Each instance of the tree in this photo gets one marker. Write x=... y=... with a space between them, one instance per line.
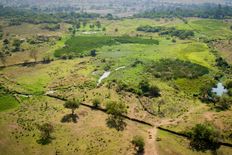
x=78 y=25
x=139 y=143
x=154 y=91
x=116 y=111
x=96 y=102
x=3 y=58
x=84 y=23
x=45 y=133
x=92 y=26
x=17 y=45
x=73 y=105
x=73 y=32
x=34 y=54
x=93 y=53
x=98 y=24
x=204 y=137
x=224 y=103
x=6 y=42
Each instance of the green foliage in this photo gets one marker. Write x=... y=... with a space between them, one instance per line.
x=93 y=53
x=79 y=45
x=202 y=11
x=17 y=45
x=45 y=133
x=229 y=84
x=18 y=16
x=224 y=103
x=173 y=69
x=220 y=62
x=7 y=100
x=51 y=27
x=182 y=34
x=139 y=143
x=116 y=111
x=116 y=108
x=149 y=90
x=204 y=137
x=96 y=102
x=230 y=92
x=73 y=105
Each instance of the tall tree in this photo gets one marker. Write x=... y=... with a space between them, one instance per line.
x=116 y=111
x=73 y=105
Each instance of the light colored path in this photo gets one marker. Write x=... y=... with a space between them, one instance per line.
x=150 y=146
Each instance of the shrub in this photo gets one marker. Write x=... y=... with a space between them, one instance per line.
x=139 y=143
x=224 y=103
x=204 y=137
x=229 y=84
x=96 y=102
x=116 y=111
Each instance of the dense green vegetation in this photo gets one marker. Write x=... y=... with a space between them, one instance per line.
x=202 y=11
x=182 y=34
x=18 y=16
x=81 y=45
x=173 y=69
x=204 y=137
x=7 y=101
x=160 y=73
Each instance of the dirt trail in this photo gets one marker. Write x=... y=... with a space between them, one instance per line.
x=150 y=146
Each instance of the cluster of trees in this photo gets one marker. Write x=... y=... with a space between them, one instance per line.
x=202 y=11
x=220 y=103
x=51 y=27
x=18 y=16
x=182 y=34
x=83 y=23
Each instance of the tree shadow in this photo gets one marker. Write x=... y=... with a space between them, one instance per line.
x=116 y=122
x=46 y=141
x=139 y=152
x=70 y=118
x=203 y=146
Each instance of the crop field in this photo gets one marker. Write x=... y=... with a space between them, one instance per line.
x=176 y=72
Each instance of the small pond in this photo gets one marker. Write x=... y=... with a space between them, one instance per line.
x=219 y=90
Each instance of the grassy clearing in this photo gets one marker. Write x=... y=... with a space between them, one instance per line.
x=84 y=137
x=7 y=102
x=181 y=146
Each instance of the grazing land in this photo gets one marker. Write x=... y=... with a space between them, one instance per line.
x=160 y=76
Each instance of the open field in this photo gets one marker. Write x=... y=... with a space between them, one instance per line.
x=179 y=69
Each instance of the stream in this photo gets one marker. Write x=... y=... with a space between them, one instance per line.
x=107 y=73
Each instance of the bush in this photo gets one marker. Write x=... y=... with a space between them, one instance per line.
x=229 y=84
x=139 y=143
x=224 y=103
x=96 y=103
x=204 y=137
